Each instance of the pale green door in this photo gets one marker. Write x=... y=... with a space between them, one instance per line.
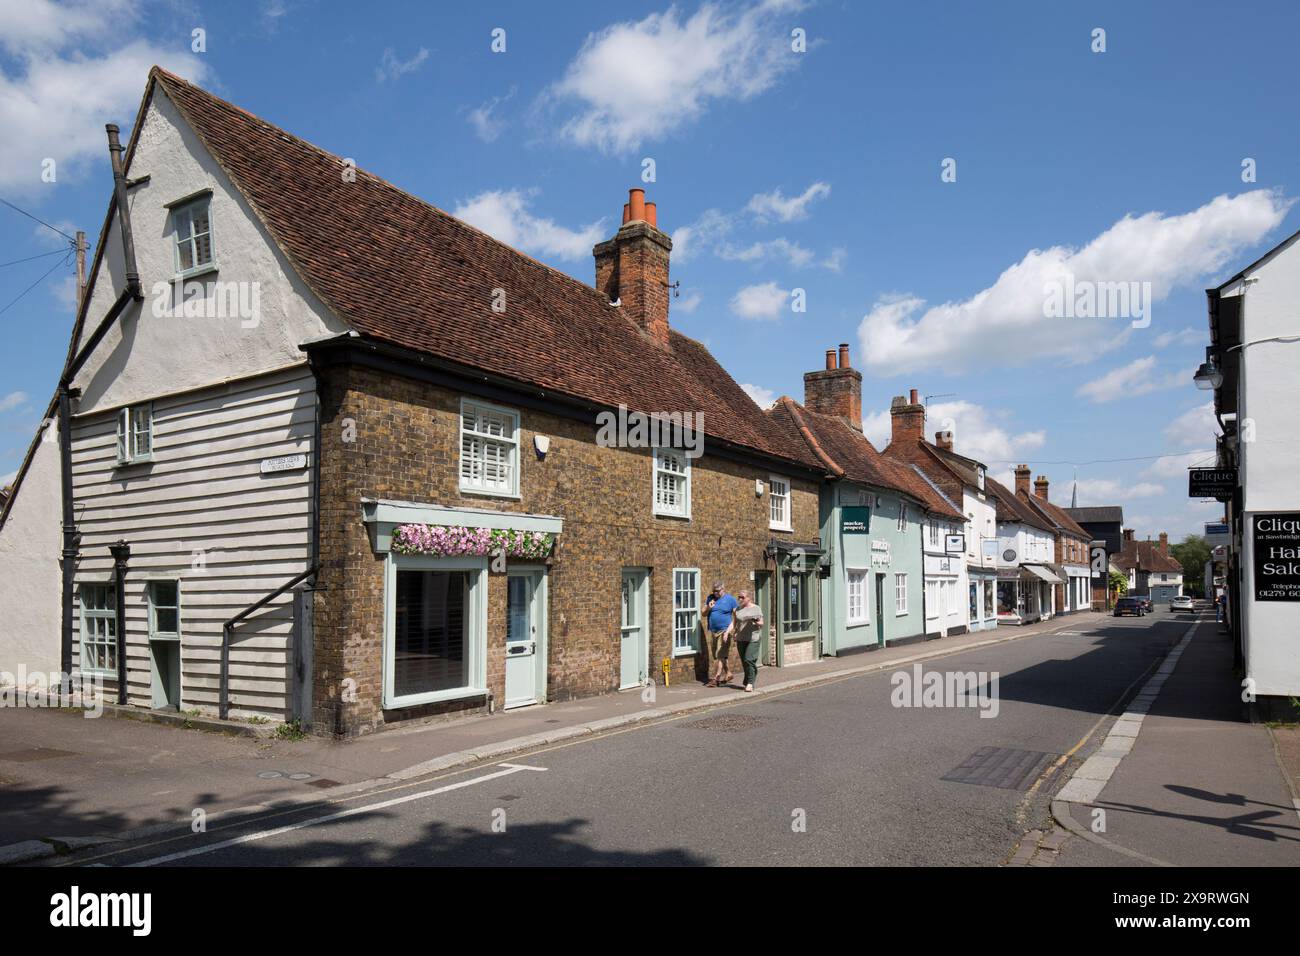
x=634 y=632
x=524 y=622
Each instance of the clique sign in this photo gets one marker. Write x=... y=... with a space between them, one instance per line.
x=1277 y=557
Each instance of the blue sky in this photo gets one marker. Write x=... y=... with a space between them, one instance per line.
x=775 y=170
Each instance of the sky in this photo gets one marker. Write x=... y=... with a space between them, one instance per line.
x=940 y=185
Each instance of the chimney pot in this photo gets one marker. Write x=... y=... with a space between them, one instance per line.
x=636 y=204
x=627 y=212
x=1040 y=487
x=830 y=360
x=652 y=214
x=844 y=355
x=915 y=398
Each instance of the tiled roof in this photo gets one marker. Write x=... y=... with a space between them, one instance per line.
x=401 y=271
x=1059 y=517
x=1011 y=508
x=1101 y=514
x=1146 y=556
x=847 y=453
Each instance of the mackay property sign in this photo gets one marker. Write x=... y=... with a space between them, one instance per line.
x=855 y=521
x=1216 y=483
x=1277 y=557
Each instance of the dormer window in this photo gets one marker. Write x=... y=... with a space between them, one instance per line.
x=192 y=227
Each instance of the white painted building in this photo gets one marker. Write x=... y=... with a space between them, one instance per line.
x=1026 y=546
x=1253 y=362
x=193 y=440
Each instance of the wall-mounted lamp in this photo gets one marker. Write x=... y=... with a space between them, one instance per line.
x=1209 y=376
x=758 y=487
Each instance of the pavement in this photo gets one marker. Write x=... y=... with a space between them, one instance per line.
x=1181 y=778
x=66 y=781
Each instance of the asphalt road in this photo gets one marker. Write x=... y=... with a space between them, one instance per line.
x=833 y=774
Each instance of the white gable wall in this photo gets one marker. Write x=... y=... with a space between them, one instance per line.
x=145 y=354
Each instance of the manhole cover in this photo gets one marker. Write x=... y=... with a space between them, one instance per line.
x=729 y=723
x=1001 y=767
x=36 y=753
x=300 y=775
x=269 y=775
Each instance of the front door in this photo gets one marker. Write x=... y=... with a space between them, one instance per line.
x=165 y=673
x=880 y=609
x=634 y=639
x=524 y=637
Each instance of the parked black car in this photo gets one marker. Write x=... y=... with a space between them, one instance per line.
x=1145 y=600
x=1130 y=607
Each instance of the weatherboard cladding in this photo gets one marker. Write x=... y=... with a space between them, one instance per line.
x=400 y=270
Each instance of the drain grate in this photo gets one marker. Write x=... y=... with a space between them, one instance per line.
x=729 y=723
x=323 y=783
x=1001 y=767
x=36 y=753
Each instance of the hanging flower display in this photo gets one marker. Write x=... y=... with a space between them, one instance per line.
x=449 y=541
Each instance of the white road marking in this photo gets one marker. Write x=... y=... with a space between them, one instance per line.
x=509 y=768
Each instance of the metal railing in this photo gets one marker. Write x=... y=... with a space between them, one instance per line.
x=228 y=632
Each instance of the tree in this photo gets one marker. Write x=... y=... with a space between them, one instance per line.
x=1118 y=583
x=1192 y=555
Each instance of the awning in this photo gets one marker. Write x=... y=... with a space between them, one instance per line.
x=1038 y=571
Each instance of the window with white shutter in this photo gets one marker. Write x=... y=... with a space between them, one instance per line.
x=489 y=449
x=672 y=483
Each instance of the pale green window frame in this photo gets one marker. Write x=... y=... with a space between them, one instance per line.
x=164 y=598
x=686 y=610
x=99 y=629
x=192 y=232
x=135 y=434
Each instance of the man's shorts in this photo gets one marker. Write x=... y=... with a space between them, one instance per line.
x=718 y=647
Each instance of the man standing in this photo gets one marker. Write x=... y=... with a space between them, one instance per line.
x=749 y=637
x=720 y=606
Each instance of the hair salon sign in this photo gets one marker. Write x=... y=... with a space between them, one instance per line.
x=1277 y=557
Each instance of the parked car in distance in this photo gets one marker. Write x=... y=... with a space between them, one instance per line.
x=1181 y=603
x=1145 y=601
x=1129 y=607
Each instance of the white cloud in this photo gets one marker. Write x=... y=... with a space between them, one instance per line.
x=776 y=205
x=488 y=126
x=1188 y=336
x=1005 y=323
x=1193 y=432
x=391 y=68
x=704 y=234
x=504 y=215
x=782 y=249
x=763 y=397
x=11 y=401
x=65 y=82
x=835 y=261
x=634 y=81
x=978 y=432
x=688 y=303
x=763 y=302
x=1138 y=377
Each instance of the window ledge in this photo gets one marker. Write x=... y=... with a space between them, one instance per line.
x=481 y=493
x=196 y=272
x=436 y=697
x=686 y=653
x=665 y=514
x=133 y=462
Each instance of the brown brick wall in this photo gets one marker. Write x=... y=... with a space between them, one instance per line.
x=407 y=448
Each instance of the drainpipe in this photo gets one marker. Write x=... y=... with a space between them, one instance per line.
x=115 y=150
x=71 y=539
x=121 y=552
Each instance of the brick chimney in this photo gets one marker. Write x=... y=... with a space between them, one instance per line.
x=1040 y=487
x=1128 y=534
x=943 y=440
x=1164 y=542
x=835 y=390
x=632 y=268
x=1022 y=480
x=907 y=419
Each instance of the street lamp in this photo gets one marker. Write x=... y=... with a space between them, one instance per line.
x=1209 y=376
